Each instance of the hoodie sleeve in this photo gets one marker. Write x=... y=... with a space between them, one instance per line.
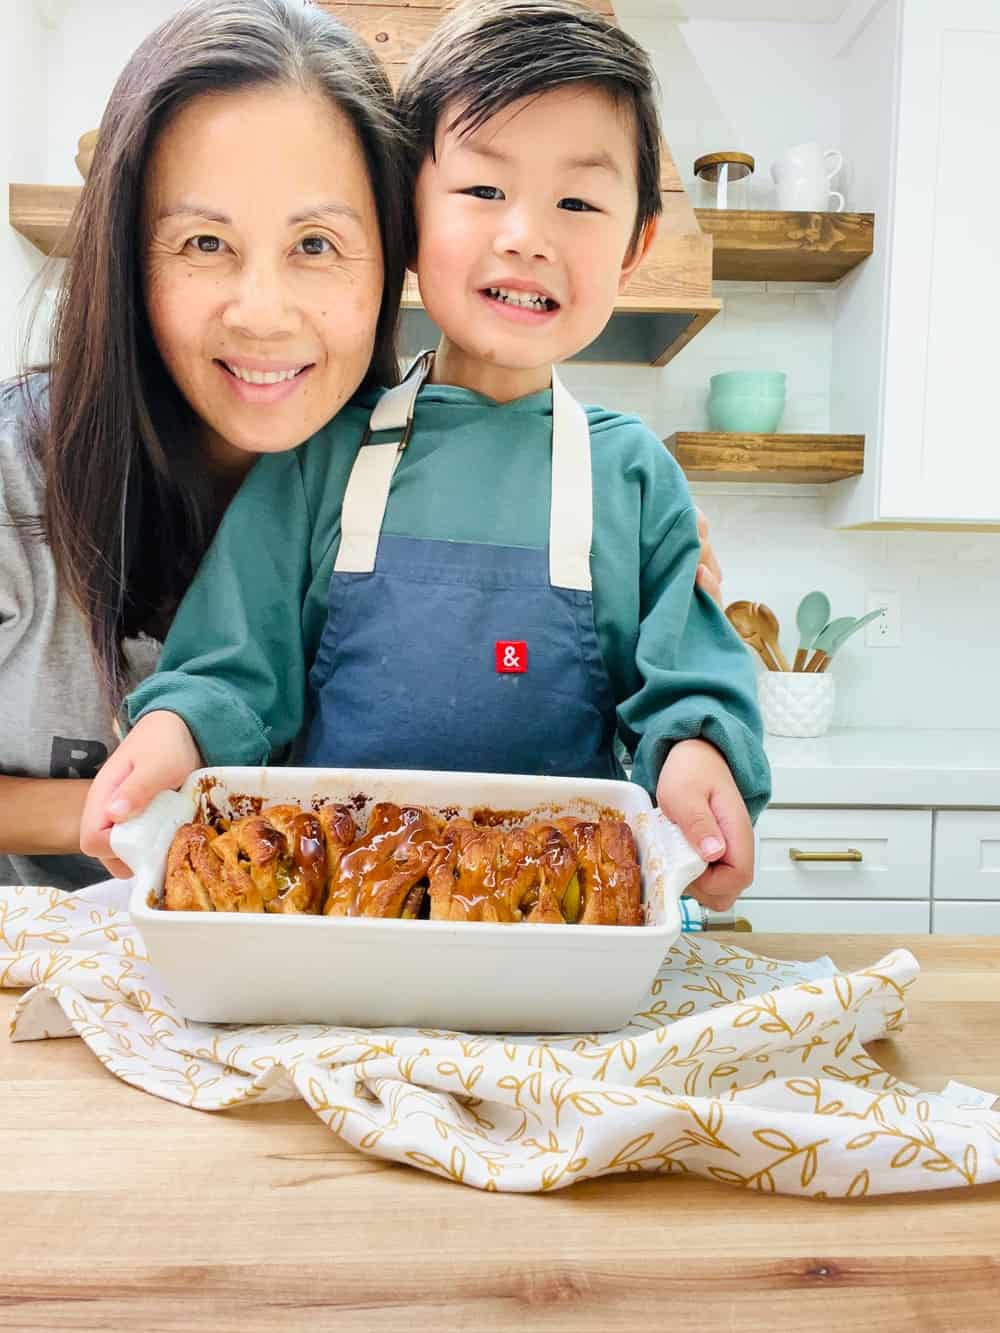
x=697 y=679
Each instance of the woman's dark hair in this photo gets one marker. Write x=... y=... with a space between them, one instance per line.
x=488 y=54
x=130 y=501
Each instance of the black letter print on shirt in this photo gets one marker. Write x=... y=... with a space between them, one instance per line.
x=76 y=759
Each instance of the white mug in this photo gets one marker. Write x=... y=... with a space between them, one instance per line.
x=803 y=174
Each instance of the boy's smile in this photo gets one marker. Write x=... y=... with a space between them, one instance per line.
x=525 y=230
x=521 y=300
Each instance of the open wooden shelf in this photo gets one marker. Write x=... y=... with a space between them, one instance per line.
x=718 y=456
x=756 y=246
x=43 y=214
x=666 y=304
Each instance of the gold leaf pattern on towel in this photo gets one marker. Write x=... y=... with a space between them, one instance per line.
x=745 y=1070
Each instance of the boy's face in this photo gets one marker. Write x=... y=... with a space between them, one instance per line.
x=524 y=233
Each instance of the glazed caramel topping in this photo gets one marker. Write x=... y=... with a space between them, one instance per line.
x=494 y=874
x=301 y=867
x=563 y=870
x=610 y=882
x=376 y=875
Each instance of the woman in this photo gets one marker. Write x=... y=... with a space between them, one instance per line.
x=232 y=284
x=271 y=127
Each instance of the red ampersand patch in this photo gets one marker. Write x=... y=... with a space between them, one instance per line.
x=511 y=655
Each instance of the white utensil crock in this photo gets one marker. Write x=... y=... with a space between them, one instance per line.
x=796 y=703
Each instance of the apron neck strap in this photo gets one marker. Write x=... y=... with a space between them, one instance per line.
x=367 y=493
x=394 y=410
x=571 y=515
x=571 y=512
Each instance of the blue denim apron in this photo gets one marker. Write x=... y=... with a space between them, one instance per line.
x=457 y=655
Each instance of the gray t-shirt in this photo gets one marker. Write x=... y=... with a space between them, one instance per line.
x=54 y=722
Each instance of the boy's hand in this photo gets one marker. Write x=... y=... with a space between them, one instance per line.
x=709 y=575
x=697 y=792
x=158 y=753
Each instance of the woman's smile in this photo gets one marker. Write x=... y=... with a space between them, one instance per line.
x=263 y=382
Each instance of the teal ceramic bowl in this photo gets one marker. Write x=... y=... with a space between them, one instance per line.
x=746 y=414
x=748 y=383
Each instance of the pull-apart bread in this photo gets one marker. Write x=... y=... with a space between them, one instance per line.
x=385 y=871
x=408 y=863
x=497 y=874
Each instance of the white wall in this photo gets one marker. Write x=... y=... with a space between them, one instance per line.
x=89 y=47
x=23 y=89
x=755 y=87
x=58 y=62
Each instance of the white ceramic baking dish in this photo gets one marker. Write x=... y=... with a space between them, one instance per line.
x=467 y=976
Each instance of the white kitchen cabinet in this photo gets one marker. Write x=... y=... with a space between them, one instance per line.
x=876 y=869
x=842 y=854
x=915 y=340
x=921 y=806
x=848 y=918
x=967 y=854
x=952 y=918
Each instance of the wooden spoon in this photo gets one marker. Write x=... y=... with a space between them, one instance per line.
x=767 y=623
x=743 y=619
x=811 y=617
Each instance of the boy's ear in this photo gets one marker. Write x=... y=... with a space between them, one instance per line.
x=639 y=251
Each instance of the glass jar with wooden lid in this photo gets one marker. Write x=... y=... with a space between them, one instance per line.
x=722 y=179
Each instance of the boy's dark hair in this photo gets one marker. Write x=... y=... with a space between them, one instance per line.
x=488 y=54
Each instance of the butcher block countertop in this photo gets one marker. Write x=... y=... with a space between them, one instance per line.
x=122 y=1211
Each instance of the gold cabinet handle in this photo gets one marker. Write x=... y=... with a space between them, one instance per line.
x=711 y=920
x=852 y=854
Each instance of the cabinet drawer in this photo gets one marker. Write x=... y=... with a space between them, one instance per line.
x=894 y=847
x=967 y=854
x=822 y=914
x=952 y=918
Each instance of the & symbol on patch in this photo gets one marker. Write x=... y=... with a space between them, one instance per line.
x=511 y=656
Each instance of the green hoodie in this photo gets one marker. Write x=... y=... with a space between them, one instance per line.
x=235 y=664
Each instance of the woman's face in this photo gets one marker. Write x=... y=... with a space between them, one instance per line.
x=262 y=264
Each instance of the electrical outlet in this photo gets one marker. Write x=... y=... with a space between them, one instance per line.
x=884 y=631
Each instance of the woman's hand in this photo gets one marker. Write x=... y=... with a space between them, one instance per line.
x=697 y=792
x=709 y=576
x=158 y=753
x=41 y=816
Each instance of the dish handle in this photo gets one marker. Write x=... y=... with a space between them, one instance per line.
x=683 y=865
x=143 y=842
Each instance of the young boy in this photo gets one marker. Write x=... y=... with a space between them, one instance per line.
x=471 y=572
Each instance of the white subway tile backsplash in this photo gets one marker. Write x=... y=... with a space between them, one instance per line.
x=748 y=313
x=776 y=549
x=806 y=414
x=818 y=301
x=762 y=193
x=803 y=288
x=808 y=373
x=725 y=288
